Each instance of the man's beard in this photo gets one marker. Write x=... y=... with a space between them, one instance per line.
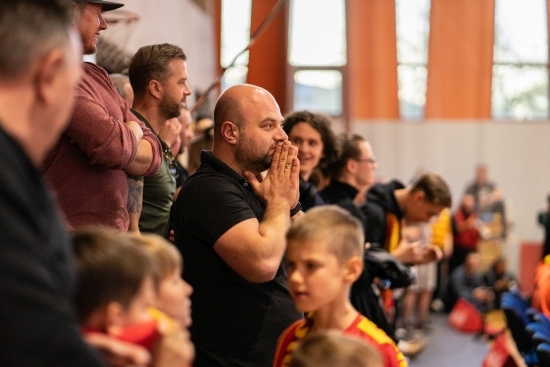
x=169 y=108
x=249 y=160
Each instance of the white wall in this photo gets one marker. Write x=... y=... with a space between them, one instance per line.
x=517 y=154
x=180 y=22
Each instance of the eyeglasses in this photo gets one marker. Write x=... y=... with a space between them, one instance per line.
x=172 y=166
x=370 y=160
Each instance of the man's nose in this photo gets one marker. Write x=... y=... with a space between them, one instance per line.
x=280 y=134
x=102 y=23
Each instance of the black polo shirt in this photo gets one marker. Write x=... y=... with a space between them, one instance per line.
x=235 y=322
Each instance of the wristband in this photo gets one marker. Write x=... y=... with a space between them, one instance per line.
x=296 y=209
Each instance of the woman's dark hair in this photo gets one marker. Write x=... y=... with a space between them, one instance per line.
x=320 y=123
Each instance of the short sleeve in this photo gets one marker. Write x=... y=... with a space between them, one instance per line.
x=218 y=205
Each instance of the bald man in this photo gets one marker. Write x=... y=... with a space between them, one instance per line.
x=230 y=225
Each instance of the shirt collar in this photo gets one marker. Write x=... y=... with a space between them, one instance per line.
x=218 y=165
x=348 y=189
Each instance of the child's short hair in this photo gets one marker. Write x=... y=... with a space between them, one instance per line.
x=339 y=229
x=166 y=255
x=110 y=267
x=333 y=349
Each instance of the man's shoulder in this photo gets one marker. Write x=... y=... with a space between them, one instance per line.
x=208 y=179
x=382 y=196
x=94 y=70
x=92 y=76
x=373 y=210
x=210 y=189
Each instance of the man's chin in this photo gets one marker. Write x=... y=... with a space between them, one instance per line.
x=89 y=50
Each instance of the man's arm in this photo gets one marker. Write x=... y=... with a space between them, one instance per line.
x=113 y=142
x=149 y=155
x=255 y=249
x=143 y=160
x=135 y=201
x=103 y=139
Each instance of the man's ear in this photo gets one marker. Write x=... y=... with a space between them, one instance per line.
x=77 y=12
x=230 y=132
x=353 y=269
x=419 y=196
x=46 y=78
x=155 y=88
x=114 y=318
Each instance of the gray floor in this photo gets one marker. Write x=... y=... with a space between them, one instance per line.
x=449 y=348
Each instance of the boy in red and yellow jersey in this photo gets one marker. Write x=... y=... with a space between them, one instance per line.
x=324 y=257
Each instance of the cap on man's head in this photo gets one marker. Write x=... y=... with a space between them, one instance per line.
x=106 y=5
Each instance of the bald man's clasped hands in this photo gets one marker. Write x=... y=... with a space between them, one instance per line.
x=281 y=182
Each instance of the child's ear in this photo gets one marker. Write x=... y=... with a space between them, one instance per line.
x=354 y=268
x=114 y=318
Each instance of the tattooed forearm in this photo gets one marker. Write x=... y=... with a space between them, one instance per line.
x=135 y=195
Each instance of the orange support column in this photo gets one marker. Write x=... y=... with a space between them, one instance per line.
x=268 y=56
x=548 y=33
x=372 y=59
x=217 y=24
x=460 y=59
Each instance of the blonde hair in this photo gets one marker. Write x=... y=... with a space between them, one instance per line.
x=333 y=349
x=166 y=255
x=331 y=224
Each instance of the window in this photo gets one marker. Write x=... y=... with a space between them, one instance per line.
x=235 y=36
x=317 y=55
x=413 y=26
x=318 y=90
x=520 y=73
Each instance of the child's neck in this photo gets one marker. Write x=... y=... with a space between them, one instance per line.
x=333 y=317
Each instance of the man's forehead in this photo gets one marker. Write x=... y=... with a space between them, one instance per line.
x=93 y=7
x=265 y=105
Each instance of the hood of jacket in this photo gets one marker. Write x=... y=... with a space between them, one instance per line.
x=383 y=195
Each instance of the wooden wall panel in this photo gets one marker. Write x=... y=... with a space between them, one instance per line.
x=460 y=59
x=268 y=56
x=372 y=59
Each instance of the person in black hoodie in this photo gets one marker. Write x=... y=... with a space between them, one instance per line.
x=354 y=169
x=389 y=203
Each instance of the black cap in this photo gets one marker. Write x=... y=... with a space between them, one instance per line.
x=106 y=5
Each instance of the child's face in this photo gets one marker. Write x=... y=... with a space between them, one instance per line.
x=173 y=298
x=315 y=276
x=137 y=311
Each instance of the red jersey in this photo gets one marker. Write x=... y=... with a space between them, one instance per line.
x=361 y=328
